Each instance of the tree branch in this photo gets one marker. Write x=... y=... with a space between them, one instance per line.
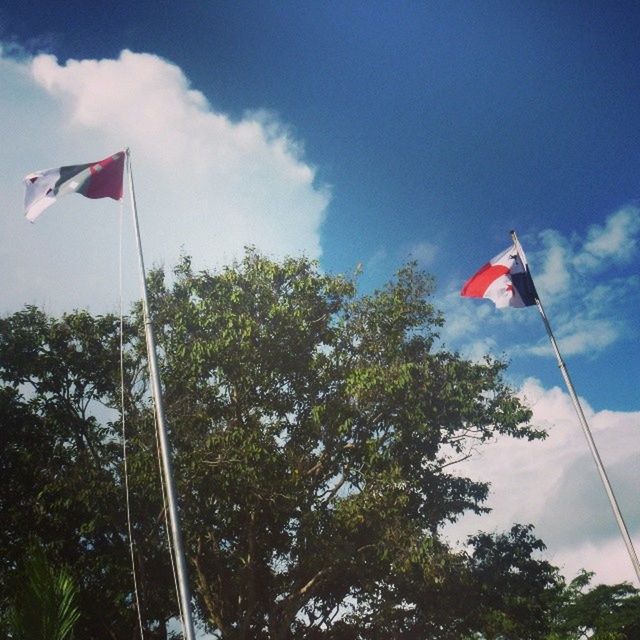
x=213 y=608
x=250 y=579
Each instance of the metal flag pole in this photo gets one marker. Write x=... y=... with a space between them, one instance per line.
x=176 y=536
x=583 y=423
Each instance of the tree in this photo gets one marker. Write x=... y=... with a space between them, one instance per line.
x=44 y=606
x=604 y=612
x=60 y=461
x=515 y=592
x=315 y=434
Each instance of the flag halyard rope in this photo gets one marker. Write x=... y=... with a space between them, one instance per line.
x=124 y=431
x=184 y=596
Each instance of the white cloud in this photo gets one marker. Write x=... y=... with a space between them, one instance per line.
x=608 y=559
x=554 y=484
x=205 y=184
x=477 y=350
x=616 y=241
x=553 y=279
x=377 y=259
x=475 y=327
x=423 y=252
x=580 y=335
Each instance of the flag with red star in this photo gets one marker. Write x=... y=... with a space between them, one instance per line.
x=505 y=279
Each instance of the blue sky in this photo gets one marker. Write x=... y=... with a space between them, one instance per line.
x=365 y=133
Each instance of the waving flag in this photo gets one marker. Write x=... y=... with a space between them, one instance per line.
x=505 y=280
x=102 y=179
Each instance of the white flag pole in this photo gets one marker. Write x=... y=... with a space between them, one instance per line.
x=176 y=536
x=583 y=423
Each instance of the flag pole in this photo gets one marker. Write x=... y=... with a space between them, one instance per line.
x=181 y=566
x=585 y=426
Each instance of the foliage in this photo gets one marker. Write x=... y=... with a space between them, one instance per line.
x=44 y=606
x=60 y=460
x=315 y=436
x=604 y=612
x=515 y=590
x=319 y=429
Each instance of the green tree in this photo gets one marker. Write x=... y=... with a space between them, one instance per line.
x=315 y=434
x=604 y=612
x=60 y=462
x=514 y=590
x=44 y=606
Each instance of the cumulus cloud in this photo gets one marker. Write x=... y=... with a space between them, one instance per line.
x=581 y=487
x=554 y=483
x=205 y=184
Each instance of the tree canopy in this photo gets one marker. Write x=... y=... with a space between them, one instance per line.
x=315 y=435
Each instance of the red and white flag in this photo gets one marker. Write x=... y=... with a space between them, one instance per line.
x=505 y=280
x=102 y=179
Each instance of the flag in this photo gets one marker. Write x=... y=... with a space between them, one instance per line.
x=505 y=279
x=101 y=179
